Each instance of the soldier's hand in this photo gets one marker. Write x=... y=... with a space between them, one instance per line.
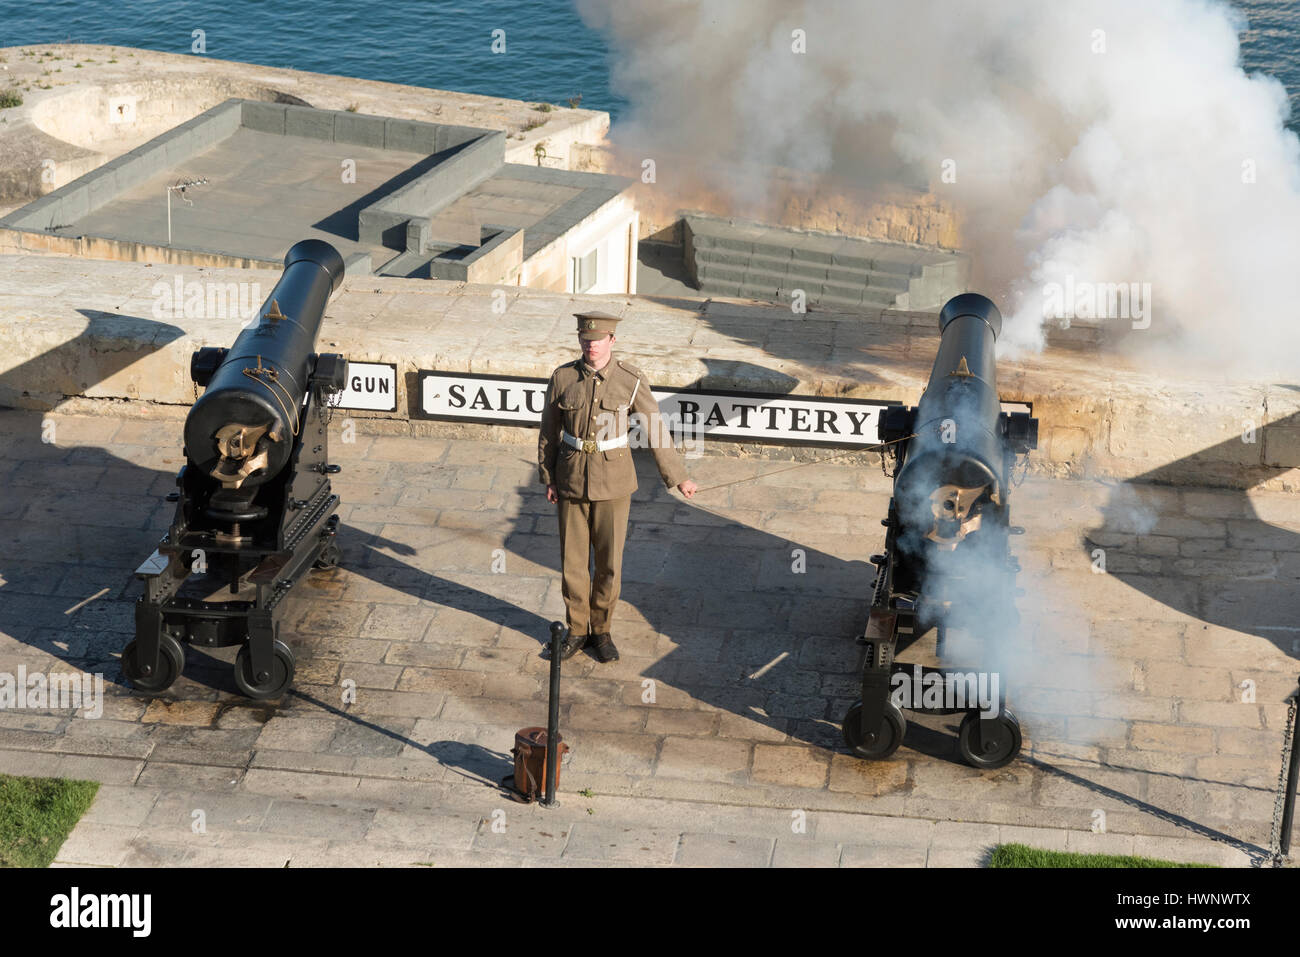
x=552 y=494
x=688 y=488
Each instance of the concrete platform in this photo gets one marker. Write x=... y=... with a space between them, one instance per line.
x=1152 y=696
x=246 y=173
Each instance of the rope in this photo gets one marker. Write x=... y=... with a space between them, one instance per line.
x=801 y=465
x=270 y=376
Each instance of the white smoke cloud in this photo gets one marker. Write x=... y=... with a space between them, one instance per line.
x=1095 y=141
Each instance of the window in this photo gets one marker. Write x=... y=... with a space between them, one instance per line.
x=584 y=272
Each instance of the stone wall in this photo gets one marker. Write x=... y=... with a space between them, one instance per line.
x=1100 y=415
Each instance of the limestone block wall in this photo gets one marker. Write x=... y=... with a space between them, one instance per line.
x=897 y=214
x=80 y=335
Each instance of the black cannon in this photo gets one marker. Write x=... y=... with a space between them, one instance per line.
x=947 y=561
x=254 y=507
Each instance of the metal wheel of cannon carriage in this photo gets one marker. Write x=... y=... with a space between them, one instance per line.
x=171 y=662
x=878 y=745
x=266 y=684
x=330 y=557
x=989 y=745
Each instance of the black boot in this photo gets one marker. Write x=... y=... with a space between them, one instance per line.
x=571 y=645
x=602 y=646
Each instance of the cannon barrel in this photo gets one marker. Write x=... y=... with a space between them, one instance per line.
x=241 y=430
x=957 y=458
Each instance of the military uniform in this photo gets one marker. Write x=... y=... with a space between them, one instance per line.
x=583 y=451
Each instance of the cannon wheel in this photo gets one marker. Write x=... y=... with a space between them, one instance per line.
x=999 y=749
x=171 y=662
x=885 y=742
x=281 y=673
x=330 y=556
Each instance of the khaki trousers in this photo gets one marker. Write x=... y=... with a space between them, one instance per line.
x=587 y=527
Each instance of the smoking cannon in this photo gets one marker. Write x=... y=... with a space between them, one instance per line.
x=947 y=562
x=254 y=507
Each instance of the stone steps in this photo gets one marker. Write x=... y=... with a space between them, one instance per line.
x=739 y=280
x=803 y=270
x=735 y=258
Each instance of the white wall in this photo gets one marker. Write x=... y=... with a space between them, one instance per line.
x=612 y=232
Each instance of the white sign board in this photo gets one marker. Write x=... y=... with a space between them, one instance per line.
x=511 y=400
x=372 y=386
x=759 y=417
x=773 y=418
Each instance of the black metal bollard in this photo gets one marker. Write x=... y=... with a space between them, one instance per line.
x=558 y=634
x=1293 y=772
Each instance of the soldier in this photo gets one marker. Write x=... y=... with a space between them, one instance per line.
x=587 y=468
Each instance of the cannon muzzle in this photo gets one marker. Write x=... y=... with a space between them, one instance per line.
x=241 y=430
x=956 y=464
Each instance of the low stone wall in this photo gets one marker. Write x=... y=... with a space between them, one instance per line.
x=123 y=250
x=67 y=204
x=85 y=331
x=470 y=164
x=356 y=129
x=501 y=256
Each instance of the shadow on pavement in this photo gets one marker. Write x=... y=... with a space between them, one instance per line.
x=1239 y=560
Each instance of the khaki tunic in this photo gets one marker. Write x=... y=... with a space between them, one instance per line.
x=595 y=405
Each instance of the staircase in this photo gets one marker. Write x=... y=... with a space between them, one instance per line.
x=726 y=257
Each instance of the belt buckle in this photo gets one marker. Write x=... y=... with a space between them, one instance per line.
x=589 y=446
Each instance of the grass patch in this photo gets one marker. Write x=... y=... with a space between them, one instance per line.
x=1019 y=855
x=37 y=815
x=9 y=98
x=533 y=124
x=543 y=107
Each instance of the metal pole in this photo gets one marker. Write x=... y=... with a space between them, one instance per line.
x=558 y=634
x=1288 y=805
x=182 y=186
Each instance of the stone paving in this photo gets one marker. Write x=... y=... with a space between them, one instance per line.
x=1152 y=695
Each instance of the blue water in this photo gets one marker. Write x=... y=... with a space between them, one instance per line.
x=1271 y=44
x=550 y=54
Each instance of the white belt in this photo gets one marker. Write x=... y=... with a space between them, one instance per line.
x=592 y=445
